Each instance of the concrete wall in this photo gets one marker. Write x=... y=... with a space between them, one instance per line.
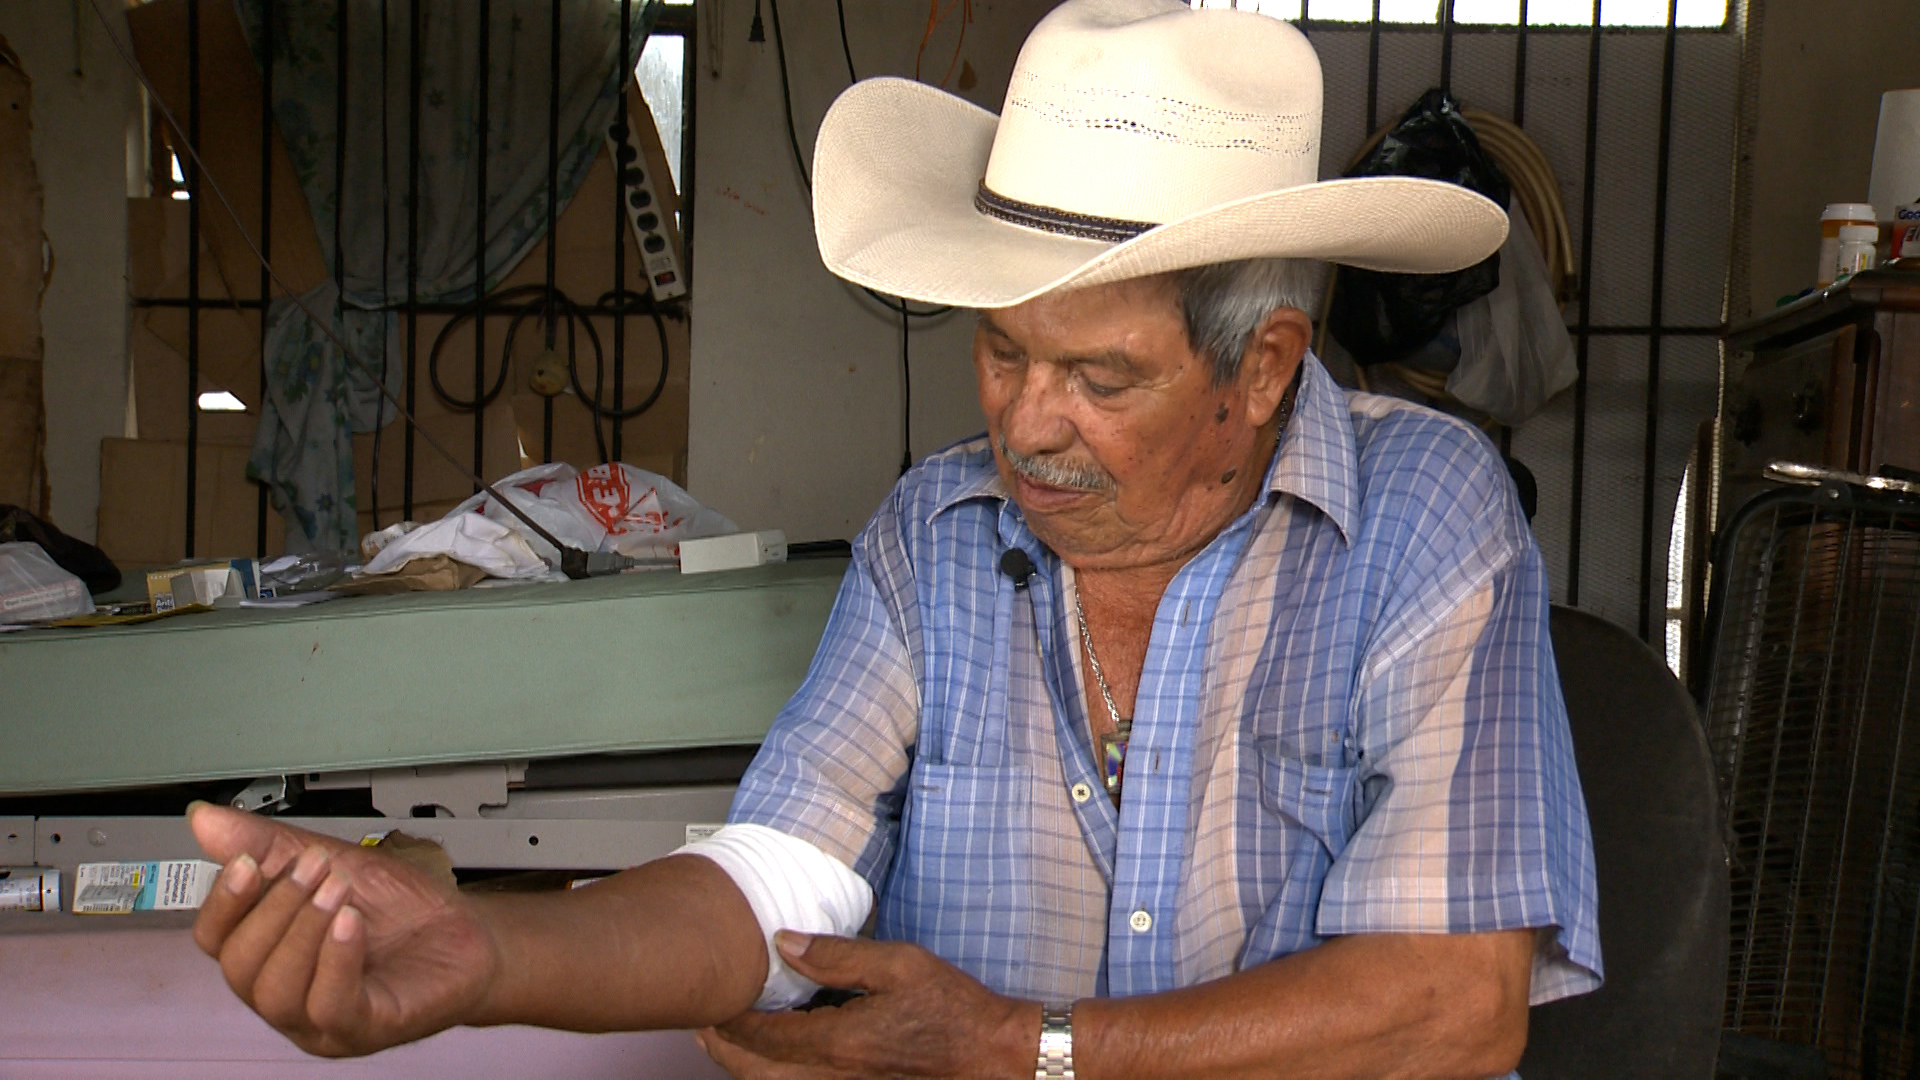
x=84 y=104
x=796 y=376
x=1823 y=65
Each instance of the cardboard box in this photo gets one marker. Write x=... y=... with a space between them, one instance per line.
x=217 y=583
x=143 y=503
x=515 y=431
x=161 y=401
x=229 y=142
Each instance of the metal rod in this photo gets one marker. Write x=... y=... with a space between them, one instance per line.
x=1886 y=836
x=427 y=308
x=340 y=76
x=553 y=200
x=1373 y=70
x=1773 y=780
x=574 y=561
x=1877 y=905
x=266 y=235
x=413 y=255
x=1520 y=69
x=688 y=190
x=621 y=121
x=1650 y=462
x=341 y=73
x=480 y=243
x=386 y=261
x=1583 y=338
x=1858 y=739
x=1734 y=770
x=193 y=270
x=1836 y=597
x=1446 y=46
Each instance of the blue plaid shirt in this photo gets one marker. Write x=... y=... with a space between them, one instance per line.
x=1348 y=721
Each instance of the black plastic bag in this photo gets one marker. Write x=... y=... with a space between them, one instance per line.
x=1384 y=317
x=76 y=557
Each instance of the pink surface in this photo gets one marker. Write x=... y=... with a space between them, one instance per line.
x=146 y=1003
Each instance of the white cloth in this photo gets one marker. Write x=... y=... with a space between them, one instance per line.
x=791 y=885
x=469 y=538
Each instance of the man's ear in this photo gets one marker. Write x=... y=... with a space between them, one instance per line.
x=1274 y=355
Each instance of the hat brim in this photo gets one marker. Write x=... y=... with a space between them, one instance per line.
x=897 y=165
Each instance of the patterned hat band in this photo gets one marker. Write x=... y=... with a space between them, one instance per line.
x=1063 y=222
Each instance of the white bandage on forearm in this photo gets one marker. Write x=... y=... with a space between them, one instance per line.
x=791 y=885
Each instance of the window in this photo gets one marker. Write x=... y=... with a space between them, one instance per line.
x=661 y=76
x=660 y=73
x=1689 y=13
x=1676 y=621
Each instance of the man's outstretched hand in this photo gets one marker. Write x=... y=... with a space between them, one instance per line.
x=920 y=1016
x=343 y=949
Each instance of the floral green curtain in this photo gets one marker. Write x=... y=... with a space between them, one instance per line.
x=316 y=398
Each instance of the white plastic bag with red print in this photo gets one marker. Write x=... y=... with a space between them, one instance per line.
x=612 y=507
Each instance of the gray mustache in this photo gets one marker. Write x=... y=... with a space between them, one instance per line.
x=1055 y=472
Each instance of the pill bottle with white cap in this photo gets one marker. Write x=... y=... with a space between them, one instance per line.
x=1835 y=217
x=1859 y=250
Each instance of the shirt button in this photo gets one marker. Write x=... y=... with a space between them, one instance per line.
x=1140 y=921
x=1081 y=793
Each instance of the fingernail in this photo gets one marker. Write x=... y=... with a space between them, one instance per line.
x=332 y=891
x=194 y=806
x=344 y=925
x=792 y=943
x=241 y=874
x=307 y=870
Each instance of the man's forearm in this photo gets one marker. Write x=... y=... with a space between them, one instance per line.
x=1366 y=1006
x=672 y=944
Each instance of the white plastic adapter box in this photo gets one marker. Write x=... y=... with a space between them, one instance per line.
x=736 y=552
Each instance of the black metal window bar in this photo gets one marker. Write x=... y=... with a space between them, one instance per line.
x=1593 y=236
x=1811 y=716
x=678 y=20
x=619 y=305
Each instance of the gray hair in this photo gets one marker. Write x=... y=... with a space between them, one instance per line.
x=1224 y=303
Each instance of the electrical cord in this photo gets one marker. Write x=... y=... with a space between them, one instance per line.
x=554 y=306
x=574 y=562
x=893 y=303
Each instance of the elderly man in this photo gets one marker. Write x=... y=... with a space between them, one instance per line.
x=1197 y=720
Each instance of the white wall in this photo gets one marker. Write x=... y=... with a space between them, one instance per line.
x=81 y=117
x=796 y=376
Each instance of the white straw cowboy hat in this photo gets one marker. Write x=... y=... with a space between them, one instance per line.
x=1138 y=137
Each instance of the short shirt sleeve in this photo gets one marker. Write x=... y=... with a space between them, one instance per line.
x=1472 y=817
x=833 y=768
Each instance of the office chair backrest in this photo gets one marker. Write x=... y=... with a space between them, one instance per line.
x=1661 y=863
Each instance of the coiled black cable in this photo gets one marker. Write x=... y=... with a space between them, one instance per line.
x=554 y=306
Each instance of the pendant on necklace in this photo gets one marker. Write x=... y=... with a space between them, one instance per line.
x=1113 y=757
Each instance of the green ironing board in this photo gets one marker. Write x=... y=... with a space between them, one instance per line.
x=651 y=661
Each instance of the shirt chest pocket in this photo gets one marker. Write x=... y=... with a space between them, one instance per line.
x=962 y=881
x=1316 y=798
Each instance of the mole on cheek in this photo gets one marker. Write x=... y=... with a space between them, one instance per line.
x=1220 y=417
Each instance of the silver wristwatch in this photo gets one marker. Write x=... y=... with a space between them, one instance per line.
x=1056 y=1043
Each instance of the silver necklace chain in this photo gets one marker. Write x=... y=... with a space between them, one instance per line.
x=1086 y=636
x=1113 y=748
x=1093 y=660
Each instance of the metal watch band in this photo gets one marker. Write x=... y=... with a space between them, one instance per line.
x=1056 y=1043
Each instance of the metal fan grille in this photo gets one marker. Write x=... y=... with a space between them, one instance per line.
x=1808 y=717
